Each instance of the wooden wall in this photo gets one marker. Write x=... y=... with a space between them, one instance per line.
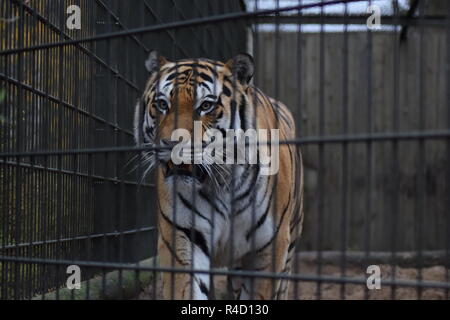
x=375 y=196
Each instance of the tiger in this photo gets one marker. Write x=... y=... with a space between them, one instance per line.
x=219 y=216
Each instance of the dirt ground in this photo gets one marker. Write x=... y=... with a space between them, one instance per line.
x=331 y=291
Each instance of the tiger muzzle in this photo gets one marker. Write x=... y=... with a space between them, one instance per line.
x=187 y=170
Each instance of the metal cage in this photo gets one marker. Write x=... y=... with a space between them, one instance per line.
x=371 y=105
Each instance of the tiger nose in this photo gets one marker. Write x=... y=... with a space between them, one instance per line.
x=168 y=143
x=171 y=143
x=164 y=150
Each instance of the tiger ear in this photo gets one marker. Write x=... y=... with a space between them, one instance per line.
x=154 y=61
x=242 y=66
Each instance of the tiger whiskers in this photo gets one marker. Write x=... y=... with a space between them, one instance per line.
x=150 y=162
x=146 y=160
x=216 y=172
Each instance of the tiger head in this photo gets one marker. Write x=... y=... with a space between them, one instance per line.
x=179 y=95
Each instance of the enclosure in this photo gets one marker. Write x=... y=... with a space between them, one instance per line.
x=372 y=110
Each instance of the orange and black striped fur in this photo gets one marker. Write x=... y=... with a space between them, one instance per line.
x=219 y=215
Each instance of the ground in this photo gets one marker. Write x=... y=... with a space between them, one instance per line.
x=308 y=290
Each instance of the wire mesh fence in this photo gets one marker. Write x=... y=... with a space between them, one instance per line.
x=372 y=114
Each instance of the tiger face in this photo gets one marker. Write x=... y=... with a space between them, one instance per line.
x=182 y=93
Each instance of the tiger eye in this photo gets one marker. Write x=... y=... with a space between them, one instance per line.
x=162 y=105
x=207 y=106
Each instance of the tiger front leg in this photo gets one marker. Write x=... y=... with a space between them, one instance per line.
x=183 y=254
x=271 y=259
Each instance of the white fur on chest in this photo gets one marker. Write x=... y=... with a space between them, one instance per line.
x=225 y=233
